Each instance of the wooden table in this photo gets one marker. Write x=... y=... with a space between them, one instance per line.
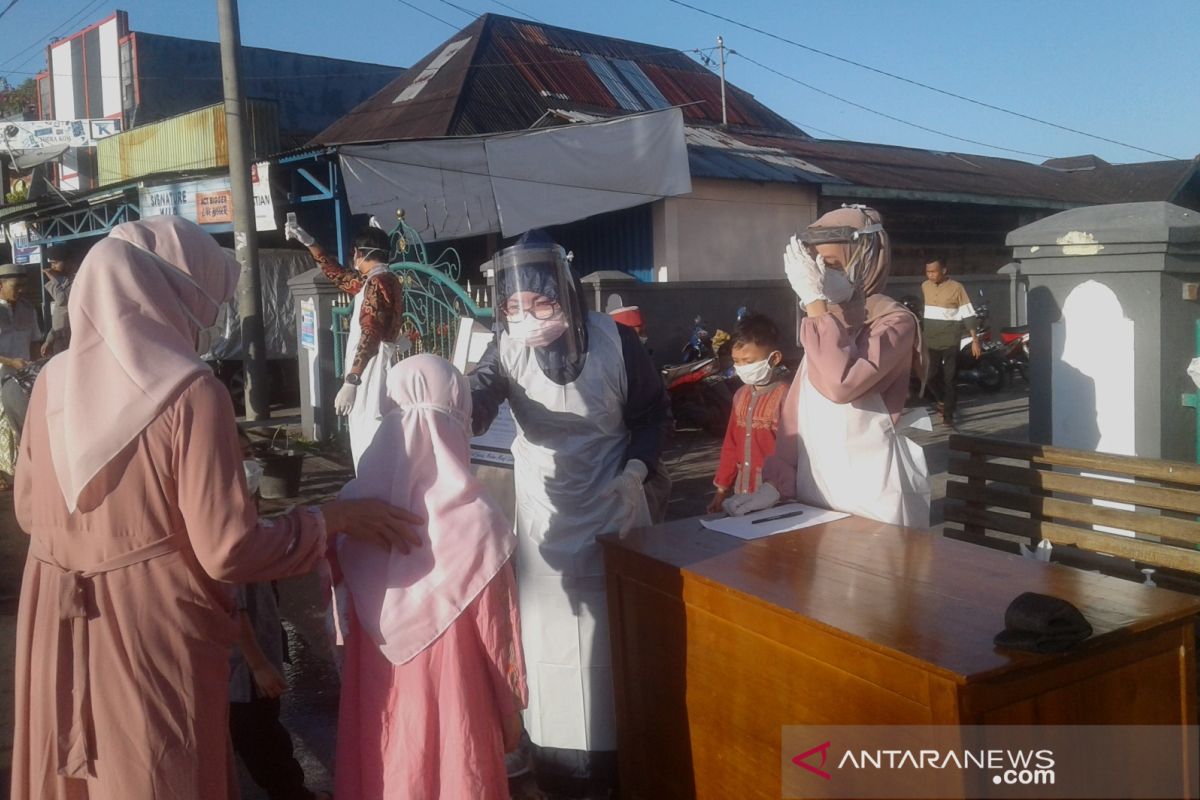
x=719 y=643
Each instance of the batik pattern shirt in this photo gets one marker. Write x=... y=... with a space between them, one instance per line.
x=382 y=311
x=750 y=437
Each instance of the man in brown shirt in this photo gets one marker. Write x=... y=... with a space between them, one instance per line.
x=948 y=313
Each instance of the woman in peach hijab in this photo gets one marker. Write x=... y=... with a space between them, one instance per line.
x=131 y=487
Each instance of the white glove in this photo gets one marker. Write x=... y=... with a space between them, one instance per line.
x=763 y=497
x=805 y=273
x=628 y=488
x=293 y=231
x=345 y=399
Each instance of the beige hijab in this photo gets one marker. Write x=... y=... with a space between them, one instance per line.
x=868 y=263
x=140 y=298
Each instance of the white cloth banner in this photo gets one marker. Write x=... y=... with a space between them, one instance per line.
x=514 y=182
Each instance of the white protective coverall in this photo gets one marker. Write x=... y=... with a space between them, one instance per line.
x=571 y=441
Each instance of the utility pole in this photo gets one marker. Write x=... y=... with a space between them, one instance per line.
x=724 y=110
x=245 y=237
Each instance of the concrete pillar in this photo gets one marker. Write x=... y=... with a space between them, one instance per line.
x=1018 y=288
x=314 y=296
x=1112 y=327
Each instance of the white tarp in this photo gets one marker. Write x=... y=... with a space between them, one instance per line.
x=454 y=188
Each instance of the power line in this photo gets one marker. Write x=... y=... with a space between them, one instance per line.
x=8 y=8
x=927 y=129
x=704 y=59
x=912 y=82
x=429 y=14
x=293 y=75
x=37 y=42
x=457 y=7
x=520 y=12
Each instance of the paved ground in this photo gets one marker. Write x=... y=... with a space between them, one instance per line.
x=310 y=707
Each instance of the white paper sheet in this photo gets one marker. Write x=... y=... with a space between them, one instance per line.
x=787 y=517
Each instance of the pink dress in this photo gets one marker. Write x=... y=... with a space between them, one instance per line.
x=125 y=623
x=430 y=729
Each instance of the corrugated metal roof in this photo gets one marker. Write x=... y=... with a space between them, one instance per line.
x=196 y=140
x=911 y=169
x=714 y=153
x=429 y=114
x=514 y=71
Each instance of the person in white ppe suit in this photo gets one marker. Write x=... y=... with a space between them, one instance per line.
x=375 y=341
x=840 y=444
x=591 y=414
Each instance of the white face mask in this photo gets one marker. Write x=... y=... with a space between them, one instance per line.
x=210 y=337
x=756 y=374
x=837 y=286
x=536 y=332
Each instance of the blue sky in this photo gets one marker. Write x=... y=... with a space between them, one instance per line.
x=1124 y=70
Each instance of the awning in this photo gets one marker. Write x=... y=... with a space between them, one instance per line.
x=453 y=188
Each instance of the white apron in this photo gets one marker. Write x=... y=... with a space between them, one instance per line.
x=851 y=458
x=365 y=416
x=571 y=442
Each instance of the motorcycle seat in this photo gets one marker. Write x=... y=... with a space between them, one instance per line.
x=1016 y=329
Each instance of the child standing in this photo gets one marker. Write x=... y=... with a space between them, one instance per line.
x=750 y=437
x=434 y=676
x=256 y=683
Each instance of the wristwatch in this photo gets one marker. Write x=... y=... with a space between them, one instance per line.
x=352 y=379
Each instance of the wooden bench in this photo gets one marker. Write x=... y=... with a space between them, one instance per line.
x=1031 y=492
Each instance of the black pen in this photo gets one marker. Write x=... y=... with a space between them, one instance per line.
x=778 y=516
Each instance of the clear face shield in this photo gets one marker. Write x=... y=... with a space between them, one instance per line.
x=847 y=249
x=536 y=300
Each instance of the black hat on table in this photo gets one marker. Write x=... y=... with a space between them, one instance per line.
x=1039 y=623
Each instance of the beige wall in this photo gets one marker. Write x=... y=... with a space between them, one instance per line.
x=729 y=230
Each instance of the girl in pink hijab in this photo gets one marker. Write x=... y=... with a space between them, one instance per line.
x=130 y=484
x=434 y=676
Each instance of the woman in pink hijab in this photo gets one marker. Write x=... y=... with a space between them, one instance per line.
x=434 y=676
x=130 y=484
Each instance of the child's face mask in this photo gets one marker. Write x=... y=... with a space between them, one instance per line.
x=756 y=374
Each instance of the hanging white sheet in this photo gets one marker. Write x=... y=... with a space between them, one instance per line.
x=511 y=183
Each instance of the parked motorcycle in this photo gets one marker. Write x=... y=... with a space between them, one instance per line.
x=1015 y=341
x=990 y=371
x=699 y=345
x=700 y=395
x=700 y=388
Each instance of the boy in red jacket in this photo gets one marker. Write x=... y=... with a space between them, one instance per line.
x=750 y=437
